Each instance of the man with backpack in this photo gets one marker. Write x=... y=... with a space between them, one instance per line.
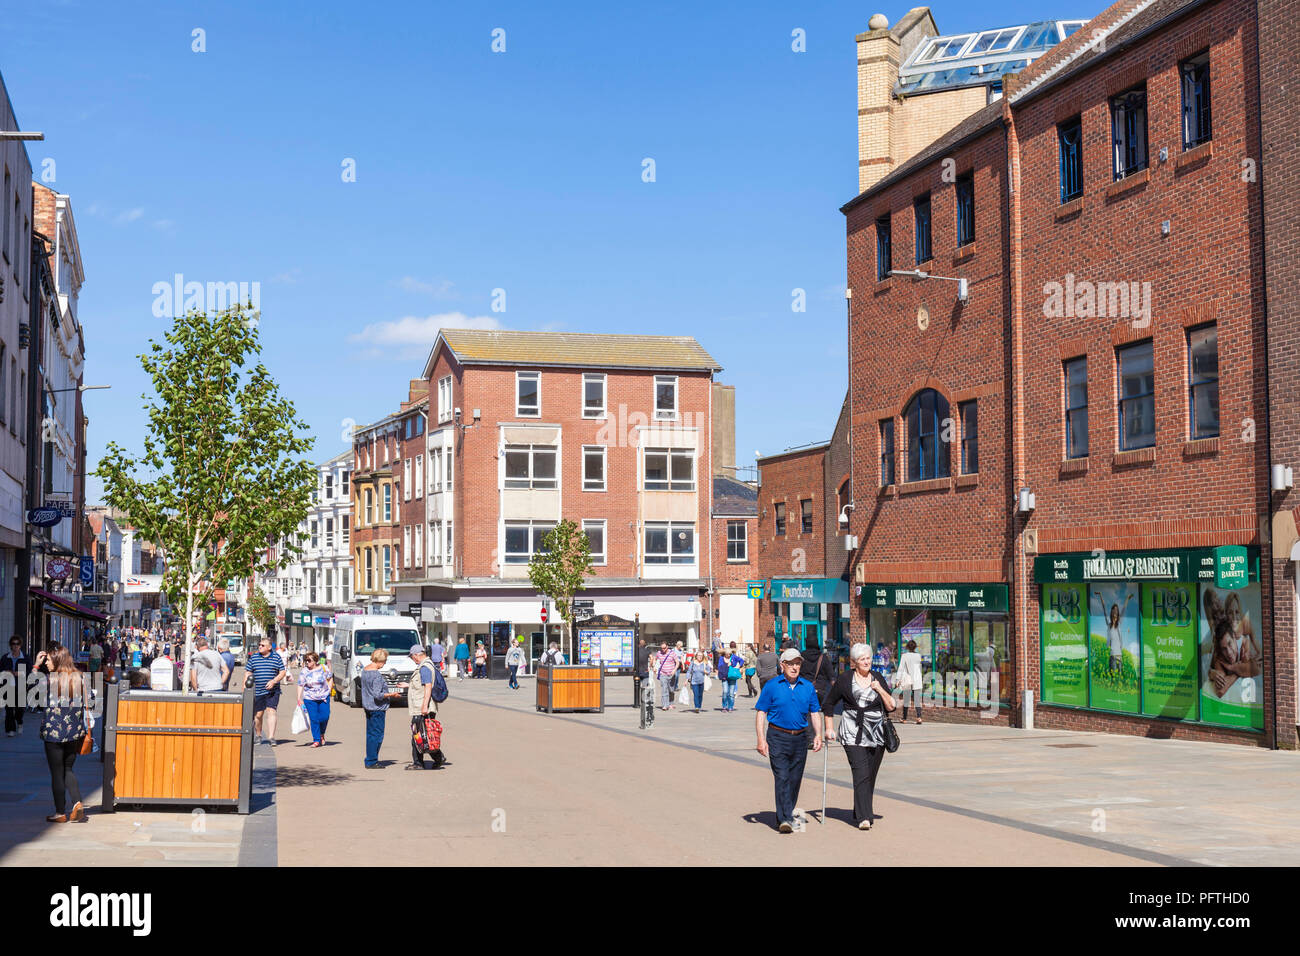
x=427 y=688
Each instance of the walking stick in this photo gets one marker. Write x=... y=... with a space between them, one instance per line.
x=826 y=745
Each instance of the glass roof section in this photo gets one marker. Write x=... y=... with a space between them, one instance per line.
x=979 y=59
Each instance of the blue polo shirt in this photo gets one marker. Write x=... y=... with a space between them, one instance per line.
x=788 y=705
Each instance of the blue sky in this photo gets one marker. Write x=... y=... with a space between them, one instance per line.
x=475 y=171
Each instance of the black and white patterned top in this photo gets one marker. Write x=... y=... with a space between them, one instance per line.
x=868 y=706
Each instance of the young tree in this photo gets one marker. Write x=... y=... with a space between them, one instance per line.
x=260 y=611
x=559 y=570
x=221 y=479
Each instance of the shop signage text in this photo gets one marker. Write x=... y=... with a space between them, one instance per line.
x=1231 y=566
x=756 y=589
x=958 y=597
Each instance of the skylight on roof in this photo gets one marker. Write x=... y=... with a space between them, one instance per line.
x=973 y=59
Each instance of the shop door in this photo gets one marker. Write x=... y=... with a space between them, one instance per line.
x=805 y=634
x=499 y=644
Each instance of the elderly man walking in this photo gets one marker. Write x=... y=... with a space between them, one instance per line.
x=419 y=699
x=786 y=707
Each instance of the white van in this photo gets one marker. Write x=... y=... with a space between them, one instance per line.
x=357 y=636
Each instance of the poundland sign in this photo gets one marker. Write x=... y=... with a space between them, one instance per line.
x=957 y=597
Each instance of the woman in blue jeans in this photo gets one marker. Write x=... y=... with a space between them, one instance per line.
x=314 y=684
x=695 y=675
x=730 y=663
x=375 y=696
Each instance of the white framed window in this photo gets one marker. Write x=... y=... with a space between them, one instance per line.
x=329 y=486
x=445 y=408
x=669 y=469
x=595 y=532
x=529 y=466
x=344 y=588
x=448 y=455
x=370 y=507
x=388 y=503
x=406 y=480
x=593 y=395
x=311 y=585
x=419 y=477
x=524 y=539
x=943 y=48
x=435 y=542
x=737 y=542
x=387 y=566
x=329 y=532
x=665 y=397
x=419 y=546
x=329 y=586
x=347 y=530
x=528 y=394
x=315 y=535
x=669 y=542
x=593 y=468
x=446 y=551
x=370 y=569
x=406 y=546
x=345 y=475
x=435 y=469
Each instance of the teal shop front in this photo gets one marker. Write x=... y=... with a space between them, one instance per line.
x=812 y=612
x=959 y=630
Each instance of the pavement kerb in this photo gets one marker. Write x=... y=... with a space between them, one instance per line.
x=258 y=843
x=1149 y=856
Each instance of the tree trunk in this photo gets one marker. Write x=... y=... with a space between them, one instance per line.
x=189 y=631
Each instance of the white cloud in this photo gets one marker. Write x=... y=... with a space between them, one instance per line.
x=288 y=278
x=164 y=225
x=129 y=215
x=413 y=336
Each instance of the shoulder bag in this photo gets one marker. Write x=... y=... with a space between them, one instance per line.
x=887 y=731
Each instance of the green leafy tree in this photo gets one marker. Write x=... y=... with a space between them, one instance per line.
x=261 y=612
x=222 y=476
x=558 y=572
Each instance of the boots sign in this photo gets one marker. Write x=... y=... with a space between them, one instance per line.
x=45 y=517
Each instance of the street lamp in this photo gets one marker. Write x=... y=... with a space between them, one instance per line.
x=963 y=286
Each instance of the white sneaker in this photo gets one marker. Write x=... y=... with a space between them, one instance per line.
x=10 y=733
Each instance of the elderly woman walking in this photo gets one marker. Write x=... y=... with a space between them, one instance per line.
x=861 y=732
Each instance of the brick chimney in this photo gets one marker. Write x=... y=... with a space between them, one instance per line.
x=881 y=50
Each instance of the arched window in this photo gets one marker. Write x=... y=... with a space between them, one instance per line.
x=928 y=427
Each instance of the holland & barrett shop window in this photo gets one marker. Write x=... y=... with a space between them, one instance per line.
x=1169 y=635
x=960 y=632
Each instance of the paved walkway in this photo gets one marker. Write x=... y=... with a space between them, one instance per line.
x=530 y=788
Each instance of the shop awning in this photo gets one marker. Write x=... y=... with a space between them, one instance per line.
x=68 y=607
x=956 y=597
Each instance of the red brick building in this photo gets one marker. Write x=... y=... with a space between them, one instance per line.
x=804 y=548
x=734 y=615
x=611 y=431
x=1056 y=490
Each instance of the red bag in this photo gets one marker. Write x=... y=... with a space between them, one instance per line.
x=428 y=733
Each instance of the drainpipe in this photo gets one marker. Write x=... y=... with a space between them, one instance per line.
x=1015 y=313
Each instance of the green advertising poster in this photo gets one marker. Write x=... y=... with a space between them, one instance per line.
x=1065 y=644
x=1231 y=660
x=1113 y=642
x=1170 y=641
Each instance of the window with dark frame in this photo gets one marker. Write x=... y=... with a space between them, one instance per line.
x=669 y=469
x=921 y=213
x=966 y=209
x=778 y=511
x=968 y=412
x=1070 y=138
x=595 y=532
x=669 y=542
x=805 y=516
x=1203 y=386
x=593 y=395
x=886 y=452
x=1128 y=131
x=530 y=466
x=1076 y=407
x=1137 y=401
x=927 y=453
x=884 y=249
x=1195 y=74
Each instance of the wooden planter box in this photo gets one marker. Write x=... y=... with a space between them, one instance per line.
x=173 y=748
x=567 y=688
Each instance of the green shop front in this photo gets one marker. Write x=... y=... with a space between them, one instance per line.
x=960 y=632
x=1169 y=635
x=812 y=612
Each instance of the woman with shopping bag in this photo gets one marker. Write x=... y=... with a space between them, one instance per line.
x=314 y=684
x=697 y=674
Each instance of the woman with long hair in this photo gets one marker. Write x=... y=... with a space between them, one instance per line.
x=63 y=730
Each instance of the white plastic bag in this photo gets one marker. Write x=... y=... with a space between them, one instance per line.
x=299 y=724
x=708 y=683
x=684 y=696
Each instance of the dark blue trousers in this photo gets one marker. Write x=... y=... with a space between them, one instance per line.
x=787 y=754
x=375 y=735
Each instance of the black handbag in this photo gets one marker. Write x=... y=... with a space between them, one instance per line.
x=887 y=726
